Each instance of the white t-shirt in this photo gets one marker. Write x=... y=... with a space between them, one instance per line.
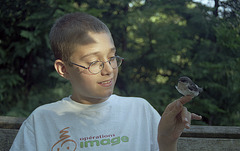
x=118 y=124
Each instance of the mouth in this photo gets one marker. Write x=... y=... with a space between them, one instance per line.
x=106 y=83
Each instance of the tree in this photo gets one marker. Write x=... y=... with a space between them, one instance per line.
x=27 y=73
x=160 y=41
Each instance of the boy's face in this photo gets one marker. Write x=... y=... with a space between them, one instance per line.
x=91 y=88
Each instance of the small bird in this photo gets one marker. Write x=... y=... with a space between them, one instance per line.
x=186 y=86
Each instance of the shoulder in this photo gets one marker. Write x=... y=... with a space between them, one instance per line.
x=48 y=109
x=129 y=100
x=55 y=106
x=136 y=106
x=126 y=98
x=133 y=102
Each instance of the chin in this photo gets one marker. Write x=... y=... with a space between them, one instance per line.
x=105 y=95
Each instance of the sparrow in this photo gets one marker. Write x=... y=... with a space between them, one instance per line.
x=186 y=86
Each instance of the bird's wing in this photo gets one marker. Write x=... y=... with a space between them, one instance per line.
x=192 y=87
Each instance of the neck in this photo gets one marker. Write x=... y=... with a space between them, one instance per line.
x=88 y=101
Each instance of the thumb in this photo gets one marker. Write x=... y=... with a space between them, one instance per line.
x=174 y=108
x=177 y=108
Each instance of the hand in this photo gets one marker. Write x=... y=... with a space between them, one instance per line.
x=173 y=121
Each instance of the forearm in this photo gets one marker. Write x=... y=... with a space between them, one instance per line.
x=173 y=121
x=165 y=145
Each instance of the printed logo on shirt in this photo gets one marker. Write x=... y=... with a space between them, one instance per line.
x=66 y=143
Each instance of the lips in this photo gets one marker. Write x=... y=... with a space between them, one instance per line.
x=106 y=83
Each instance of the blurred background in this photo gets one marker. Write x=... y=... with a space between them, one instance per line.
x=160 y=40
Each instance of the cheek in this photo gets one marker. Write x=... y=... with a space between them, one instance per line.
x=115 y=72
x=87 y=82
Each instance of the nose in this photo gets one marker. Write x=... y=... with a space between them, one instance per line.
x=107 y=69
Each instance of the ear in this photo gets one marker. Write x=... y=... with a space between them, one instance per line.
x=61 y=68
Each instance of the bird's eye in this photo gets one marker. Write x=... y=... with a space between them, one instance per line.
x=183 y=80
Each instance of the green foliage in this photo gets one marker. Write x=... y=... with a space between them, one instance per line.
x=160 y=41
x=26 y=61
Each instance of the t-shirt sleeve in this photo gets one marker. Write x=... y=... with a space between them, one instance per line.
x=153 y=118
x=25 y=139
x=155 y=122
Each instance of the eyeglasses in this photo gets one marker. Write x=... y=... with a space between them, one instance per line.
x=97 y=66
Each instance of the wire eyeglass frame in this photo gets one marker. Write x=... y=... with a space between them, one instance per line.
x=99 y=65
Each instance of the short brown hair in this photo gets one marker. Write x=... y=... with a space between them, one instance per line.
x=71 y=30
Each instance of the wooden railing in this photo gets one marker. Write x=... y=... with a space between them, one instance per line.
x=197 y=138
x=210 y=138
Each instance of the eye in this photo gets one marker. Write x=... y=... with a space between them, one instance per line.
x=93 y=63
x=183 y=80
x=112 y=58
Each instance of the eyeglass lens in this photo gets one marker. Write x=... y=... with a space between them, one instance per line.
x=97 y=66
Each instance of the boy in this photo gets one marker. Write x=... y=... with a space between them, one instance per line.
x=92 y=118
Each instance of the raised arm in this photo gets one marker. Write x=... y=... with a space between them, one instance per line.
x=174 y=119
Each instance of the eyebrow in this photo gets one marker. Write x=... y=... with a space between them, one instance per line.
x=96 y=53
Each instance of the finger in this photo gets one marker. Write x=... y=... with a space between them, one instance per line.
x=195 y=116
x=177 y=104
x=185 y=99
x=186 y=117
x=174 y=109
